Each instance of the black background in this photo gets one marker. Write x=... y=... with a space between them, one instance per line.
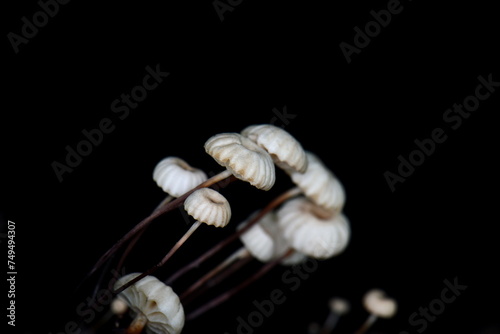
x=358 y=117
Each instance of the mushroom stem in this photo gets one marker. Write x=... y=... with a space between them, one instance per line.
x=137 y=325
x=292 y=192
x=167 y=199
x=146 y=221
x=228 y=294
x=172 y=251
x=219 y=278
x=367 y=324
x=331 y=321
x=132 y=243
x=240 y=254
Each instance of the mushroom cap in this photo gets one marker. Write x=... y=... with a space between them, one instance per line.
x=264 y=240
x=208 y=206
x=376 y=302
x=176 y=177
x=339 y=305
x=156 y=301
x=245 y=159
x=320 y=185
x=311 y=230
x=286 y=151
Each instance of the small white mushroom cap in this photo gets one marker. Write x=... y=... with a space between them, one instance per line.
x=311 y=230
x=156 y=301
x=377 y=303
x=208 y=206
x=264 y=240
x=245 y=159
x=339 y=306
x=176 y=177
x=286 y=151
x=320 y=185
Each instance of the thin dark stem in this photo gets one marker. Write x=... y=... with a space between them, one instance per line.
x=235 y=257
x=134 y=241
x=367 y=324
x=172 y=251
x=101 y=278
x=228 y=294
x=226 y=273
x=146 y=221
x=330 y=323
x=194 y=264
x=217 y=279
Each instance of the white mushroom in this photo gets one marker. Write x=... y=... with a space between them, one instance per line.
x=245 y=159
x=320 y=185
x=339 y=306
x=264 y=240
x=285 y=150
x=312 y=230
x=379 y=305
x=154 y=304
x=208 y=206
x=176 y=177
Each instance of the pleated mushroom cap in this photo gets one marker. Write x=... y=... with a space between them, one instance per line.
x=312 y=230
x=176 y=177
x=286 y=151
x=264 y=240
x=208 y=206
x=376 y=302
x=320 y=185
x=245 y=159
x=156 y=301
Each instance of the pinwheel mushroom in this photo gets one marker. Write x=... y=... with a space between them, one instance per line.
x=176 y=177
x=311 y=230
x=245 y=159
x=155 y=306
x=285 y=150
x=379 y=306
x=320 y=185
x=264 y=240
x=208 y=206
x=376 y=302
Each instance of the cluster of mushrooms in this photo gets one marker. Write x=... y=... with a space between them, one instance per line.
x=375 y=302
x=304 y=221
